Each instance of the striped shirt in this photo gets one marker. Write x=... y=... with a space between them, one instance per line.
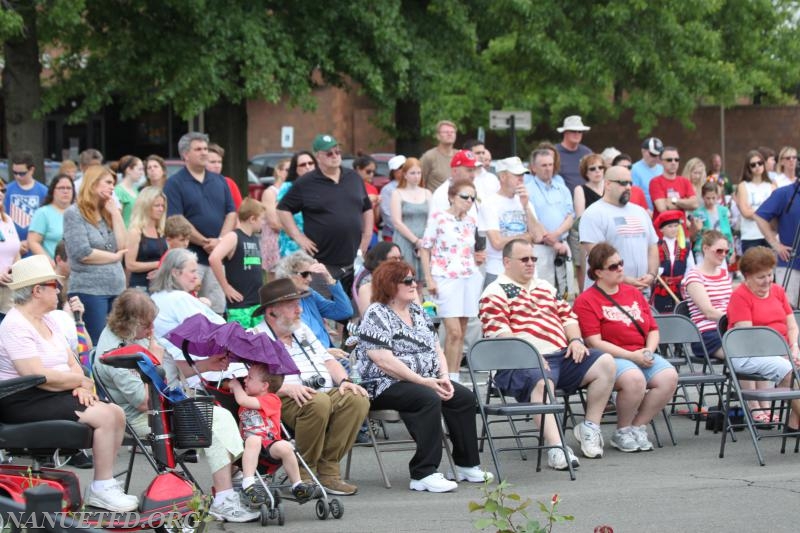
x=531 y=312
x=718 y=288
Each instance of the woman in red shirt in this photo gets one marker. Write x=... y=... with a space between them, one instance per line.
x=760 y=302
x=615 y=318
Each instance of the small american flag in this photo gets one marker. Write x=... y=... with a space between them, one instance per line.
x=630 y=225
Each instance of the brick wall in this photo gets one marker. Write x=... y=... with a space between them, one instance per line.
x=746 y=128
x=346 y=115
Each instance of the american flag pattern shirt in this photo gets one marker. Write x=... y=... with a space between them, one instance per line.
x=531 y=312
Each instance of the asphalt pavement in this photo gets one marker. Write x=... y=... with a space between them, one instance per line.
x=675 y=488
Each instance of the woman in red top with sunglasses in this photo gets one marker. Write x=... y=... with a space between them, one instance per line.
x=615 y=318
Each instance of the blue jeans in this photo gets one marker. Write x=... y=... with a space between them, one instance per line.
x=96 y=310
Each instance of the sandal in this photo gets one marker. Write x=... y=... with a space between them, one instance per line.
x=761 y=418
x=776 y=418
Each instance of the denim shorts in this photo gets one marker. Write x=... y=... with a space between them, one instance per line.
x=566 y=374
x=659 y=364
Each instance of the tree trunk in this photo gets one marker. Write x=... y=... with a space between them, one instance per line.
x=226 y=125
x=408 y=123
x=22 y=90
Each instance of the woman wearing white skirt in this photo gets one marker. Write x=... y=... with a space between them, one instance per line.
x=450 y=264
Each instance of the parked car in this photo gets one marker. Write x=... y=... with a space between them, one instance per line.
x=263 y=165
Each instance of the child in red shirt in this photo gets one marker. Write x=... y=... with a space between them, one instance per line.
x=260 y=423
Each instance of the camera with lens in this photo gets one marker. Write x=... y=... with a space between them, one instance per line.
x=314 y=382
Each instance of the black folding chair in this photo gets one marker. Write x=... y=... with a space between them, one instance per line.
x=682 y=308
x=490 y=355
x=757 y=342
x=676 y=335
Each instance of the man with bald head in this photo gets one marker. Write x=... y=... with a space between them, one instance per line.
x=626 y=226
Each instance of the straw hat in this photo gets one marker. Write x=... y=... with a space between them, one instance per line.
x=32 y=270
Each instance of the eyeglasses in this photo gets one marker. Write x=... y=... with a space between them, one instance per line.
x=527 y=259
x=20 y=174
x=613 y=267
x=52 y=284
x=672 y=159
x=721 y=251
x=64 y=188
x=333 y=152
x=755 y=164
x=408 y=281
x=370 y=172
x=622 y=183
x=305 y=273
x=595 y=168
x=789 y=157
x=464 y=196
x=309 y=164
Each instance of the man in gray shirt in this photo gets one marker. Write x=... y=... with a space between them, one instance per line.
x=627 y=227
x=571 y=151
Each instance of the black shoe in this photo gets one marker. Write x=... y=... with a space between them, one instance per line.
x=82 y=461
x=306 y=491
x=255 y=495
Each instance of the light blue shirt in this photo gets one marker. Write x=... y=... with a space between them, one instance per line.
x=642 y=175
x=552 y=202
x=49 y=223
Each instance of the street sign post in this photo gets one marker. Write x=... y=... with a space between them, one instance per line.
x=511 y=120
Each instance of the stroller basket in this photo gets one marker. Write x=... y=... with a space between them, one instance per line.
x=191 y=422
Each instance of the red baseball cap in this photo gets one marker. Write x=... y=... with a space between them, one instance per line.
x=464 y=158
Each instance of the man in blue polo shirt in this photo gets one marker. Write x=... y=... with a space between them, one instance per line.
x=552 y=203
x=783 y=206
x=337 y=213
x=204 y=199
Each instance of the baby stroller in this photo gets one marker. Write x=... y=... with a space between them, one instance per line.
x=198 y=336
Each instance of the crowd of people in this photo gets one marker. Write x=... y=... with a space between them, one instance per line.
x=133 y=254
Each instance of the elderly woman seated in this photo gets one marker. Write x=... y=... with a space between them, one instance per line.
x=760 y=302
x=405 y=370
x=300 y=268
x=32 y=344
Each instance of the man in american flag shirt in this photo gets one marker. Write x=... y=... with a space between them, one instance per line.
x=625 y=226
x=517 y=304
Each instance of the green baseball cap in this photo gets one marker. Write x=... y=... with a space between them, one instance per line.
x=323 y=141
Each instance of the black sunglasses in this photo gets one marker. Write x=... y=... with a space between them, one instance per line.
x=305 y=273
x=592 y=169
x=613 y=267
x=755 y=164
x=465 y=196
x=526 y=260
x=672 y=159
x=623 y=183
x=408 y=281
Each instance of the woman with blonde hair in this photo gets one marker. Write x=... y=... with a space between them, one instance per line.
x=94 y=235
x=271 y=228
x=787 y=165
x=145 y=239
x=410 y=206
x=695 y=172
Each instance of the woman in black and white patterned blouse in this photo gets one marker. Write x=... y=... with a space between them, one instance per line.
x=404 y=369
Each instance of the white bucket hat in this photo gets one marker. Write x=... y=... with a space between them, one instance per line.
x=573 y=123
x=32 y=271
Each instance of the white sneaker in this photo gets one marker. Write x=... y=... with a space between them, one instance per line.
x=591 y=440
x=232 y=509
x=473 y=474
x=112 y=498
x=640 y=434
x=557 y=461
x=625 y=441
x=433 y=483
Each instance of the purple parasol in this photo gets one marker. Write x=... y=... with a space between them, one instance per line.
x=202 y=338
